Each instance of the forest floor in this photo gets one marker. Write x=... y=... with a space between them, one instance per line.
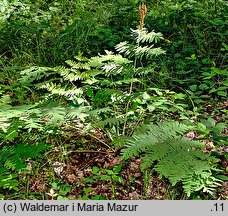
x=97 y=172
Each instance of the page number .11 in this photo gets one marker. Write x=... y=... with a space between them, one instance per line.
x=218 y=207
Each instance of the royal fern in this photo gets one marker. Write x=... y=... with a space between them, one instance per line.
x=177 y=158
x=105 y=80
x=22 y=113
x=14 y=157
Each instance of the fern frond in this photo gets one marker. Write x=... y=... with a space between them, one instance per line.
x=99 y=111
x=119 y=141
x=126 y=81
x=148 y=52
x=14 y=157
x=101 y=60
x=115 y=121
x=141 y=71
x=33 y=123
x=36 y=73
x=73 y=75
x=139 y=51
x=78 y=65
x=178 y=158
x=203 y=181
x=58 y=89
x=54 y=114
x=104 y=95
x=5 y=101
x=110 y=69
x=23 y=113
x=79 y=113
x=142 y=35
x=124 y=47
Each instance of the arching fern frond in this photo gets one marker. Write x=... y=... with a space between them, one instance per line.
x=36 y=73
x=73 y=74
x=148 y=51
x=102 y=60
x=58 y=89
x=115 y=121
x=177 y=158
x=142 y=35
x=14 y=157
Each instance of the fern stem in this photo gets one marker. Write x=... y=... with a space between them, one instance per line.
x=192 y=102
x=136 y=124
x=101 y=141
x=130 y=90
x=92 y=151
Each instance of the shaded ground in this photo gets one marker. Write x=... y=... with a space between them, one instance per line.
x=82 y=167
x=98 y=173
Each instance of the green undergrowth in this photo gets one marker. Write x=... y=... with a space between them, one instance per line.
x=158 y=98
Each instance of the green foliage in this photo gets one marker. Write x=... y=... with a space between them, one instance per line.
x=191 y=28
x=87 y=194
x=106 y=175
x=177 y=158
x=37 y=117
x=210 y=131
x=112 y=177
x=14 y=159
x=60 y=190
x=102 y=80
x=35 y=32
x=212 y=83
x=115 y=91
x=8 y=180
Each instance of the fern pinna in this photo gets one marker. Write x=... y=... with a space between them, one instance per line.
x=178 y=158
x=14 y=160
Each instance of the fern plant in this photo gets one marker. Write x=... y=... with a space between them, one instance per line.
x=110 y=80
x=83 y=87
x=28 y=114
x=13 y=160
x=177 y=158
